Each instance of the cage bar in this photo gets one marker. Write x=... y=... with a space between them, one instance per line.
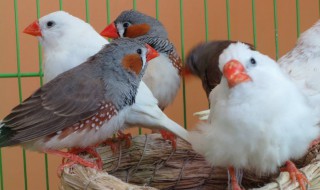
x=19 y=84
x=182 y=57
x=275 y=17
x=205 y=2
x=228 y=19
x=254 y=27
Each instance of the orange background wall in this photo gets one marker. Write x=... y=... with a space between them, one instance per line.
x=194 y=28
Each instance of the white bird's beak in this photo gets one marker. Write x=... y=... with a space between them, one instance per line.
x=33 y=29
x=235 y=73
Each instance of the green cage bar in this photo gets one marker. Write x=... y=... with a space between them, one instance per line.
x=275 y=17
x=228 y=19
x=298 y=17
x=254 y=27
x=41 y=83
x=87 y=11
x=108 y=11
x=182 y=57
x=1 y=173
x=157 y=9
x=134 y=4
x=60 y=4
x=19 y=84
x=205 y=2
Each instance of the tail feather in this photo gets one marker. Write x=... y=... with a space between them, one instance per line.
x=5 y=135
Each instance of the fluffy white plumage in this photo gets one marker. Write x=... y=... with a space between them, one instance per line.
x=69 y=42
x=258 y=124
x=301 y=64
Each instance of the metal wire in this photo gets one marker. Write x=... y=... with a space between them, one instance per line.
x=182 y=57
x=254 y=23
x=275 y=17
x=41 y=83
x=205 y=2
x=298 y=17
x=228 y=19
x=60 y=5
x=19 y=84
x=87 y=11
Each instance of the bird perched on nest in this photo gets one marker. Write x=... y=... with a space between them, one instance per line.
x=260 y=120
x=163 y=73
x=69 y=41
x=83 y=106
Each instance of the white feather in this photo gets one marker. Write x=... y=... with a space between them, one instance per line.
x=163 y=79
x=256 y=125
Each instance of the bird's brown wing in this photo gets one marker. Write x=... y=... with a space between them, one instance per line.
x=75 y=95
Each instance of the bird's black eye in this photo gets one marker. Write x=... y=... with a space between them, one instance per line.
x=125 y=25
x=139 y=51
x=253 y=61
x=50 y=24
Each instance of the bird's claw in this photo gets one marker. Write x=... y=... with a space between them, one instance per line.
x=169 y=136
x=295 y=175
x=126 y=137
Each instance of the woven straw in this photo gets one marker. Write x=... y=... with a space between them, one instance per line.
x=150 y=161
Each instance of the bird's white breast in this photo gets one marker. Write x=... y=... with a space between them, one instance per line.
x=163 y=80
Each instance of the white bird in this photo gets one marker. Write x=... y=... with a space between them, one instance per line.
x=259 y=120
x=68 y=41
x=301 y=64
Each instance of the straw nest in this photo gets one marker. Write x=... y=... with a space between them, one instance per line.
x=150 y=163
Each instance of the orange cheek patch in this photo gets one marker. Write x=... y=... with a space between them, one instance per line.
x=137 y=30
x=132 y=62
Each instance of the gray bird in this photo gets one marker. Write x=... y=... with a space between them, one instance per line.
x=80 y=107
x=203 y=61
x=162 y=75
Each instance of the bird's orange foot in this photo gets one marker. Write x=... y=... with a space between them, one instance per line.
x=73 y=160
x=295 y=174
x=169 y=136
x=113 y=143
x=89 y=150
x=126 y=137
x=234 y=181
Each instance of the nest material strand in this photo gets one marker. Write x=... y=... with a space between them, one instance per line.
x=150 y=161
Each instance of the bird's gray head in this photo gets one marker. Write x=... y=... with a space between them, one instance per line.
x=134 y=24
x=122 y=64
x=58 y=28
x=127 y=55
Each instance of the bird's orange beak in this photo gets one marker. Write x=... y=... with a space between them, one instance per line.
x=33 y=29
x=235 y=73
x=110 y=31
x=151 y=53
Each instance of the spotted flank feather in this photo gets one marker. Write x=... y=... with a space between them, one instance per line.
x=94 y=122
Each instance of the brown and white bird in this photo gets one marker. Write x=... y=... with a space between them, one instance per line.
x=259 y=118
x=68 y=41
x=203 y=61
x=162 y=76
x=83 y=106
